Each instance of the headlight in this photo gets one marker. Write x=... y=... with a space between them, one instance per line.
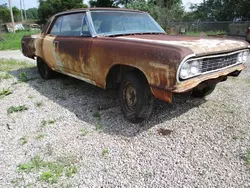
x=240 y=57
x=190 y=69
x=245 y=56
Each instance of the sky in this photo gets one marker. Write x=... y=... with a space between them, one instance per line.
x=34 y=3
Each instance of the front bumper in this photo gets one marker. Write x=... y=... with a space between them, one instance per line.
x=187 y=85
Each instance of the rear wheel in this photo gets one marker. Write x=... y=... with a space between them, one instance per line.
x=43 y=69
x=200 y=93
x=136 y=99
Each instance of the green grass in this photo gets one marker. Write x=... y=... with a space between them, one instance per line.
x=191 y=33
x=50 y=171
x=4 y=76
x=5 y=92
x=248 y=157
x=10 y=65
x=83 y=132
x=40 y=136
x=97 y=114
x=38 y=104
x=105 y=152
x=48 y=122
x=24 y=140
x=23 y=77
x=14 y=109
x=12 y=41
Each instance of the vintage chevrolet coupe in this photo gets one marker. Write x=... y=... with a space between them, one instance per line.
x=127 y=50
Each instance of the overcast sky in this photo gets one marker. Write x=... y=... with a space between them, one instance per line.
x=34 y=3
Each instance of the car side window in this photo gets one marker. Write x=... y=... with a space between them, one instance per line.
x=71 y=25
x=56 y=27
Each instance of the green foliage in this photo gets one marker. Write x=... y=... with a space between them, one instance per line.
x=12 y=41
x=49 y=122
x=14 y=109
x=24 y=140
x=224 y=10
x=40 y=136
x=102 y=3
x=49 y=8
x=32 y=13
x=51 y=171
x=5 y=13
x=23 y=77
x=5 y=92
x=248 y=157
x=4 y=76
x=83 y=132
x=10 y=65
x=105 y=152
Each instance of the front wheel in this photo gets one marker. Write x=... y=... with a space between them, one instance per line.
x=43 y=69
x=136 y=99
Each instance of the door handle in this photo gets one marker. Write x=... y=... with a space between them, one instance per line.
x=55 y=44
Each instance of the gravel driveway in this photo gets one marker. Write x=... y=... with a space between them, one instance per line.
x=189 y=143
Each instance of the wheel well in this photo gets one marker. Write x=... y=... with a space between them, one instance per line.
x=116 y=73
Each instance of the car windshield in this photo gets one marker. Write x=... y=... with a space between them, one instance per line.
x=119 y=23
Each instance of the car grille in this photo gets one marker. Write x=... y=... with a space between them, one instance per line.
x=216 y=63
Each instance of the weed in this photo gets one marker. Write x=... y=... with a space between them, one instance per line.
x=24 y=140
x=10 y=65
x=5 y=92
x=39 y=104
x=23 y=77
x=235 y=137
x=40 y=136
x=30 y=96
x=5 y=76
x=97 y=114
x=98 y=126
x=248 y=157
x=49 y=122
x=14 y=109
x=105 y=152
x=70 y=171
x=83 y=132
x=52 y=171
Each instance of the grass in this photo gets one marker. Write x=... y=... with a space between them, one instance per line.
x=97 y=114
x=248 y=157
x=40 y=136
x=10 y=65
x=105 y=152
x=48 y=122
x=4 y=76
x=14 y=109
x=5 y=92
x=83 y=132
x=24 y=140
x=12 y=41
x=23 y=77
x=192 y=33
x=38 y=104
x=50 y=171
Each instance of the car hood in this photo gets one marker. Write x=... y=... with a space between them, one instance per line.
x=200 y=46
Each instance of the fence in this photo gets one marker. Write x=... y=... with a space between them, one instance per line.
x=233 y=28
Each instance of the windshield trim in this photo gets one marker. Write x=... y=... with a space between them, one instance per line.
x=161 y=30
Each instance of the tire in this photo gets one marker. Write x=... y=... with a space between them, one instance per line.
x=43 y=69
x=136 y=99
x=201 y=93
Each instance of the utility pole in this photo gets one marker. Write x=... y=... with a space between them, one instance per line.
x=21 y=8
x=12 y=17
x=24 y=10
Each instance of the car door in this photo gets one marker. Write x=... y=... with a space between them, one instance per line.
x=71 y=44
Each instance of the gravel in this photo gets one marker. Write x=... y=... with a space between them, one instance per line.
x=204 y=142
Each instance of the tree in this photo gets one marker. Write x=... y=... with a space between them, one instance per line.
x=48 y=8
x=5 y=13
x=32 y=13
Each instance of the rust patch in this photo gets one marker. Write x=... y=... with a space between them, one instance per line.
x=162 y=94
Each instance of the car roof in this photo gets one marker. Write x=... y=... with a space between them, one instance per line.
x=97 y=9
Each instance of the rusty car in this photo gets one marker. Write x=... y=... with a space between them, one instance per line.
x=128 y=51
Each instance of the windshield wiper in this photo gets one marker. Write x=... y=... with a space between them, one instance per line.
x=139 y=33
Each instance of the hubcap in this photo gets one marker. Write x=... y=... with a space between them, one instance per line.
x=130 y=96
